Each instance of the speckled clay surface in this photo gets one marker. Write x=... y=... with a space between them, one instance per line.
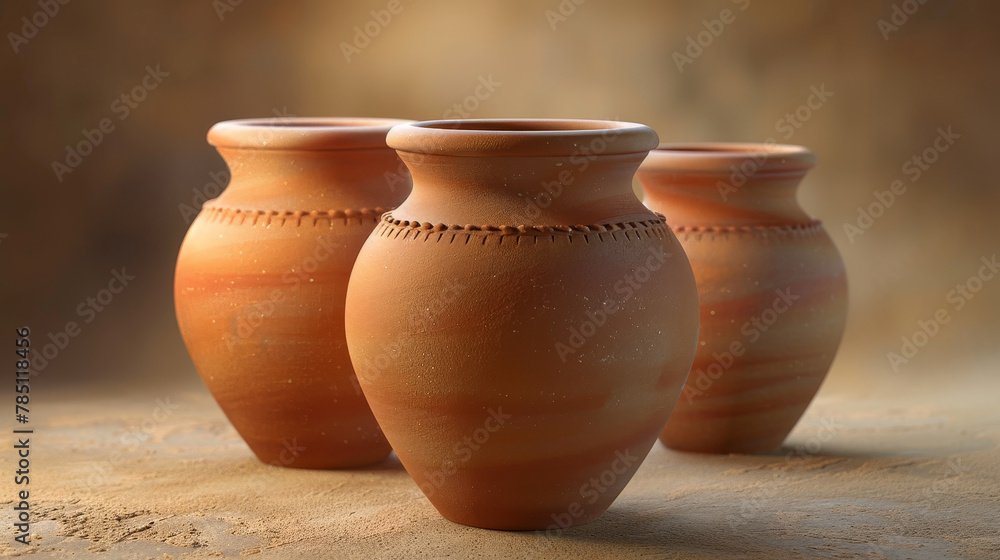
x=522 y=324
x=771 y=284
x=262 y=277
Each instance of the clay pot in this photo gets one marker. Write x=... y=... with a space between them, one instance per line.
x=522 y=324
x=771 y=284
x=262 y=277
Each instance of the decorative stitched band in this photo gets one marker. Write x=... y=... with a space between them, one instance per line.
x=803 y=228
x=238 y=216
x=391 y=227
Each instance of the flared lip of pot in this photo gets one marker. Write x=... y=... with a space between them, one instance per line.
x=303 y=133
x=522 y=137
x=720 y=157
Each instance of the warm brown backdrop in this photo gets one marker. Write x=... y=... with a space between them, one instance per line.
x=608 y=59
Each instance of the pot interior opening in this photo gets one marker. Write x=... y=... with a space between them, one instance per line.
x=280 y=122
x=517 y=126
x=732 y=149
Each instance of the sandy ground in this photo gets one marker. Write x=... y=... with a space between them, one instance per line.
x=890 y=475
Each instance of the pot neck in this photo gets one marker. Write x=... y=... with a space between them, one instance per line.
x=313 y=180
x=522 y=190
x=749 y=187
x=522 y=172
x=309 y=164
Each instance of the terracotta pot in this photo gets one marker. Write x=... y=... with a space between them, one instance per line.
x=262 y=277
x=771 y=284
x=522 y=324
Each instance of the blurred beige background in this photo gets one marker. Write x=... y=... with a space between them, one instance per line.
x=893 y=86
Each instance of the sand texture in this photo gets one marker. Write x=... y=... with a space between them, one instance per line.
x=876 y=477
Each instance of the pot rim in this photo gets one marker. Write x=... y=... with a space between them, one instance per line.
x=522 y=137
x=719 y=157
x=303 y=133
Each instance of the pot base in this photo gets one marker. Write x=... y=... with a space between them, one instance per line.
x=701 y=428
x=323 y=455
x=734 y=445
x=522 y=520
